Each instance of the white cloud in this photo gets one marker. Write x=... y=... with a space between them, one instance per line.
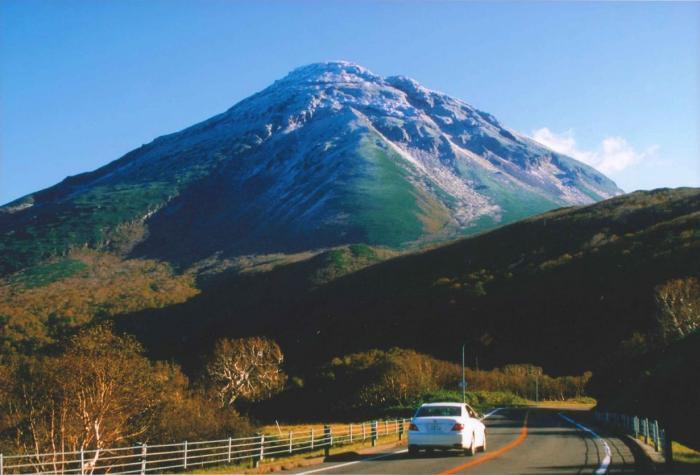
x=613 y=155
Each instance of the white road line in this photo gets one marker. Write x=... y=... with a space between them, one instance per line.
x=606 y=460
x=323 y=469
x=491 y=413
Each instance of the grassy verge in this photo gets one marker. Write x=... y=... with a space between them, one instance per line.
x=581 y=404
x=685 y=459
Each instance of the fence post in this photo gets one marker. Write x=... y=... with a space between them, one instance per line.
x=635 y=423
x=261 y=454
x=400 y=427
x=668 y=450
x=2 y=465
x=328 y=440
x=374 y=429
x=312 y=438
x=386 y=427
x=657 y=441
x=144 y=452
x=349 y=432
x=645 y=429
x=82 y=461
x=184 y=464
x=290 y=442
x=262 y=447
x=228 y=459
x=364 y=432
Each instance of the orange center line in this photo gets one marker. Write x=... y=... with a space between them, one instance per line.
x=492 y=455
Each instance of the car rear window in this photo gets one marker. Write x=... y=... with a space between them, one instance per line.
x=438 y=411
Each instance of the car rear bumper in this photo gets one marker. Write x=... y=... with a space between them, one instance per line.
x=454 y=440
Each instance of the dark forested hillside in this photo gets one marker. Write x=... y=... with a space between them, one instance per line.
x=558 y=290
x=576 y=289
x=572 y=290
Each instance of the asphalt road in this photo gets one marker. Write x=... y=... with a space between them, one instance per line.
x=520 y=441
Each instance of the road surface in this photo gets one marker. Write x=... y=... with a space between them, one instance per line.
x=520 y=441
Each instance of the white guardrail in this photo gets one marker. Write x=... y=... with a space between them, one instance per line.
x=167 y=458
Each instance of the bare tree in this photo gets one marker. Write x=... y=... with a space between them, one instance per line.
x=99 y=393
x=678 y=308
x=247 y=368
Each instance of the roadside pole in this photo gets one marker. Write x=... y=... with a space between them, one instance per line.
x=464 y=383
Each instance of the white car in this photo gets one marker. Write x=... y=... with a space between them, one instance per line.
x=446 y=425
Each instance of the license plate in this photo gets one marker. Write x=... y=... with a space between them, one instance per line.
x=435 y=427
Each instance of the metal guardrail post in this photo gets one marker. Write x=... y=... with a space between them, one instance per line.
x=655 y=431
x=144 y=452
x=290 y=442
x=645 y=430
x=374 y=433
x=668 y=449
x=328 y=440
x=184 y=462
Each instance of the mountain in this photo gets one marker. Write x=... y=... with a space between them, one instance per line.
x=330 y=155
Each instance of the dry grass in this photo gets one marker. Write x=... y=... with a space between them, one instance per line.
x=336 y=427
x=570 y=405
x=686 y=456
x=300 y=459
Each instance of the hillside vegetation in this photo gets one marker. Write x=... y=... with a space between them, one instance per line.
x=578 y=289
x=379 y=383
x=559 y=290
x=47 y=301
x=568 y=290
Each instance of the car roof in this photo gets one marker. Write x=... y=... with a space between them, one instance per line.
x=456 y=404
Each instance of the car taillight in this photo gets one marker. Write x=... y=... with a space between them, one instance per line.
x=413 y=427
x=458 y=426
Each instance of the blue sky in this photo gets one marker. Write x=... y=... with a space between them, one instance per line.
x=613 y=84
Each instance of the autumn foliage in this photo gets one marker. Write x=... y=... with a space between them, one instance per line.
x=101 y=392
x=36 y=311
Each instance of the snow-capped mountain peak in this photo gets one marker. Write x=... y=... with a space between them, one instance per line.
x=330 y=154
